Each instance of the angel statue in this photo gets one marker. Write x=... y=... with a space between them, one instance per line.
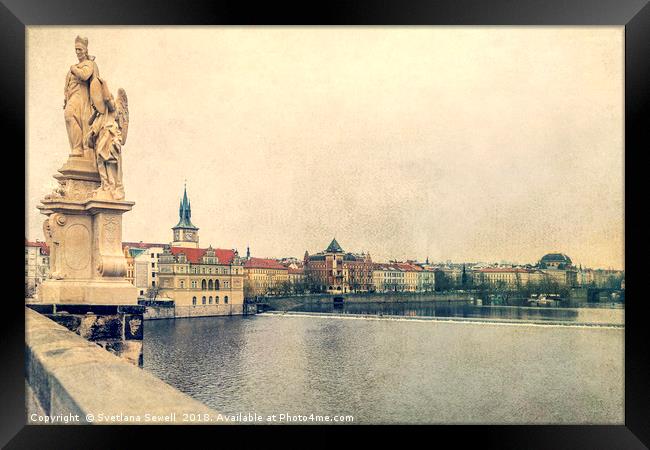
x=109 y=124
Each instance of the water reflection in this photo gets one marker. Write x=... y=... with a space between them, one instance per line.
x=392 y=371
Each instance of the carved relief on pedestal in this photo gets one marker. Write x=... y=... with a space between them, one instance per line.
x=77 y=247
x=70 y=189
x=53 y=231
x=110 y=260
x=112 y=266
x=110 y=227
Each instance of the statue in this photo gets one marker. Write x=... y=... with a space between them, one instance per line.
x=76 y=102
x=109 y=125
x=84 y=212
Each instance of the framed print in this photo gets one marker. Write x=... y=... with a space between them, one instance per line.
x=370 y=215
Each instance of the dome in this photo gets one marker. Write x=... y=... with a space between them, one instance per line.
x=555 y=260
x=556 y=257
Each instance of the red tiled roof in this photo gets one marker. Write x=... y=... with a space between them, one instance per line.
x=301 y=270
x=194 y=255
x=408 y=267
x=387 y=266
x=262 y=263
x=44 y=248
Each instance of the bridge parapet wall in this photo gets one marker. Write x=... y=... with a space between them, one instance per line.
x=69 y=376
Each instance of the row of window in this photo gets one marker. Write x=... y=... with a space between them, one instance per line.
x=208 y=270
x=268 y=271
x=216 y=300
x=206 y=285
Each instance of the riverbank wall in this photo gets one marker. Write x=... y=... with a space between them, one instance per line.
x=156 y=310
x=285 y=303
x=70 y=380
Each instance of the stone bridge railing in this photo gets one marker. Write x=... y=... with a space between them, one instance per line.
x=71 y=380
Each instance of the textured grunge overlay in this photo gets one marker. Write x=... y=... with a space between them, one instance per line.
x=456 y=143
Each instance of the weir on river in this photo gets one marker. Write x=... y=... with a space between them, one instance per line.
x=405 y=370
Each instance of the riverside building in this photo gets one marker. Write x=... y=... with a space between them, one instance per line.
x=37 y=265
x=194 y=276
x=265 y=276
x=142 y=264
x=559 y=268
x=336 y=271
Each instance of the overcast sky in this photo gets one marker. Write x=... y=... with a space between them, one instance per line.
x=453 y=143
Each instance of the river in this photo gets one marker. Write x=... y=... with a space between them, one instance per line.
x=387 y=369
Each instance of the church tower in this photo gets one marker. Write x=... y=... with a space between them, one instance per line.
x=185 y=233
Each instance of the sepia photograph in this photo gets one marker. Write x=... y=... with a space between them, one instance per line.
x=325 y=225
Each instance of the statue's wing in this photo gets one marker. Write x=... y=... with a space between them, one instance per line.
x=122 y=113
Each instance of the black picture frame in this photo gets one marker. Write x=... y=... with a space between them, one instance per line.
x=15 y=15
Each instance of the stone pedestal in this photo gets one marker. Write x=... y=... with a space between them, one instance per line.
x=79 y=168
x=84 y=234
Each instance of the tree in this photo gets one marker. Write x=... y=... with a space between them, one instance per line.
x=248 y=289
x=464 y=279
x=29 y=290
x=443 y=281
x=613 y=282
x=355 y=285
x=284 y=288
x=502 y=289
x=299 y=286
x=153 y=292
x=311 y=282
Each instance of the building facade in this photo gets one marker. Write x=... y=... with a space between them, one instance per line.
x=37 y=266
x=411 y=276
x=336 y=271
x=142 y=268
x=193 y=276
x=426 y=280
x=507 y=277
x=388 y=277
x=265 y=277
x=402 y=277
x=297 y=279
x=130 y=264
x=558 y=268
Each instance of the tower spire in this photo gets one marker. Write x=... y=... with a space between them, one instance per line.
x=186 y=234
x=185 y=211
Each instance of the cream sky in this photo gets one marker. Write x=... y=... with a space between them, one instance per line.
x=456 y=143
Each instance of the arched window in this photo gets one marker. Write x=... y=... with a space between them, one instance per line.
x=210 y=285
x=193 y=284
x=216 y=299
x=225 y=299
x=182 y=284
x=203 y=300
x=194 y=300
x=204 y=285
x=216 y=285
x=210 y=300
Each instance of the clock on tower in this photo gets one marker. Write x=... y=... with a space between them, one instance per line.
x=185 y=233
